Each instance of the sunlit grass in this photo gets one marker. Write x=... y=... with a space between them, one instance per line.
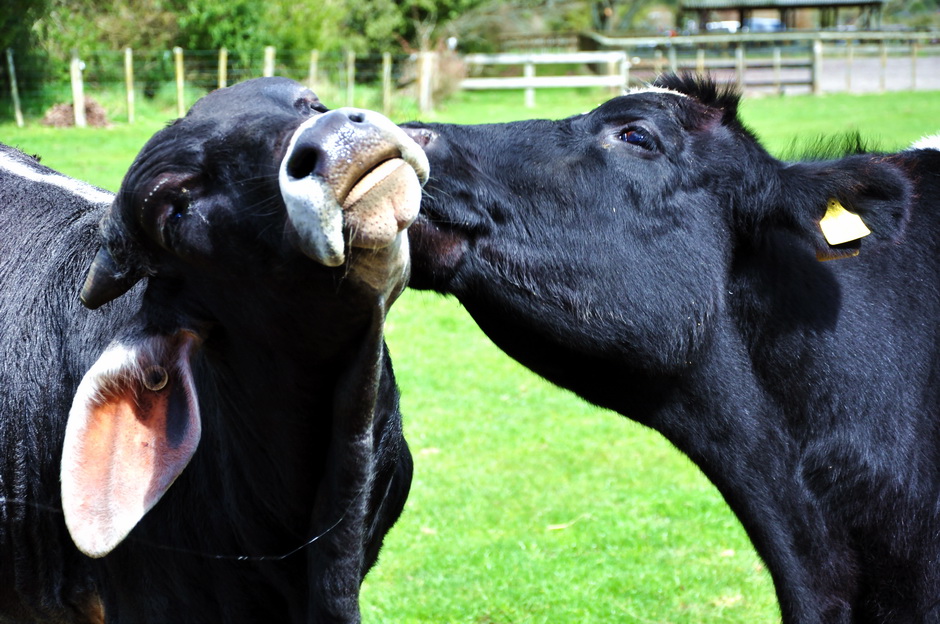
x=529 y=505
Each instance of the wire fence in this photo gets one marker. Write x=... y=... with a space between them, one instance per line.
x=378 y=81
x=408 y=85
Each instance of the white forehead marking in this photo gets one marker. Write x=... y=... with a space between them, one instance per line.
x=639 y=90
x=76 y=187
x=928 y=142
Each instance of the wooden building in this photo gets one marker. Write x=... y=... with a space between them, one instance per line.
x=704 y=12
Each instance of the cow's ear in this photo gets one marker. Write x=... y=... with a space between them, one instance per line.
x=133 y=427
x=850 y=203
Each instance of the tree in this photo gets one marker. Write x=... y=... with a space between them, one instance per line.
x=306 y=25
x=393 y=24
x=84 y=25
x=613 y=15
x=16 y=17
x=214 y=24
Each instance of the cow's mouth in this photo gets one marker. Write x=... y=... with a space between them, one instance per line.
x=381 y=204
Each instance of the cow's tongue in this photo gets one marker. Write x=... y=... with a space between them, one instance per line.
x=383 y=203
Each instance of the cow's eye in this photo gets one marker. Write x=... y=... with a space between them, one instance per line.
x=174 y=212
x=179 y=206
x=637 y=136
x=179 y=210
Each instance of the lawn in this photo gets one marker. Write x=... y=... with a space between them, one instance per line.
x=528 y=504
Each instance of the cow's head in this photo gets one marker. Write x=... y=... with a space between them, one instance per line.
x=259 y=217
x=614 y=231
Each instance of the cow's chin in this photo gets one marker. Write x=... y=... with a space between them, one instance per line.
x=382 y=204
x=384 y=271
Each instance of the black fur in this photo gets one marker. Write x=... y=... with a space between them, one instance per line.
x=301 y=432
x=674 y=278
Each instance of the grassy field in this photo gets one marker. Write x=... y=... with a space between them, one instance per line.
x=529 y=505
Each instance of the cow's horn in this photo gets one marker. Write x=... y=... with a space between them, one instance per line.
x=105 y=281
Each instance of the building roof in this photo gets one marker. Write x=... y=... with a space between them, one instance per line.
x=719 y=5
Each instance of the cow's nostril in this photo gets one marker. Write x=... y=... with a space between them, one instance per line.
x=357 y=117
x=302 y=162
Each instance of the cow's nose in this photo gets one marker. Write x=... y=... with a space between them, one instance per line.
x=340 y=147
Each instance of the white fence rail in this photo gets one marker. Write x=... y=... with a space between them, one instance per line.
x=616 y=63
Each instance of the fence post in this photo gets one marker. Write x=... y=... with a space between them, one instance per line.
x=614 y=71
x=268 y=69
x=387 y=83
x=849 y=58
x=14 y=90
x=129 y=82
x=739 y=65
x=700 y=61
x=777 y=70
x=915 y=48
x=425 y=81
x=350 y=77
x=816 y=70
x=178 y=58
x=673 y=61
x=625 y=71
x=882 y=78
x=78 y=90
x=658 y=61
x=223 y=68
x=313 y=69
x=528 y=71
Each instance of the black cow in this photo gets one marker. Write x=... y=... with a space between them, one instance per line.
x=233 y=451
x=652 y=257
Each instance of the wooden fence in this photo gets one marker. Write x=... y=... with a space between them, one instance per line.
x=777 y=61
x=782 y=59
x=617 y=71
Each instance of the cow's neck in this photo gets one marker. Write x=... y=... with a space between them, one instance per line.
x=727 y=425
x=731 y=427
x=266 y=386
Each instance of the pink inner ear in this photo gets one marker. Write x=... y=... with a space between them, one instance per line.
x=126 y=443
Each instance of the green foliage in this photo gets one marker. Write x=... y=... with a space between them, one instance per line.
x=305 y=25
x=211 y=24
x=615 y=15
x=239 y=25
x=16 y=17
x=385 y=25
x=88 y=25
x=920 y=14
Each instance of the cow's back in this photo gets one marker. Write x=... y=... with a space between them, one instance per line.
x=47 y=237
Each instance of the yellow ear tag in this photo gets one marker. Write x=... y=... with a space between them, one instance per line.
x=840 y=226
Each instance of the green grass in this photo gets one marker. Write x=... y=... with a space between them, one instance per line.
x=529 y=505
